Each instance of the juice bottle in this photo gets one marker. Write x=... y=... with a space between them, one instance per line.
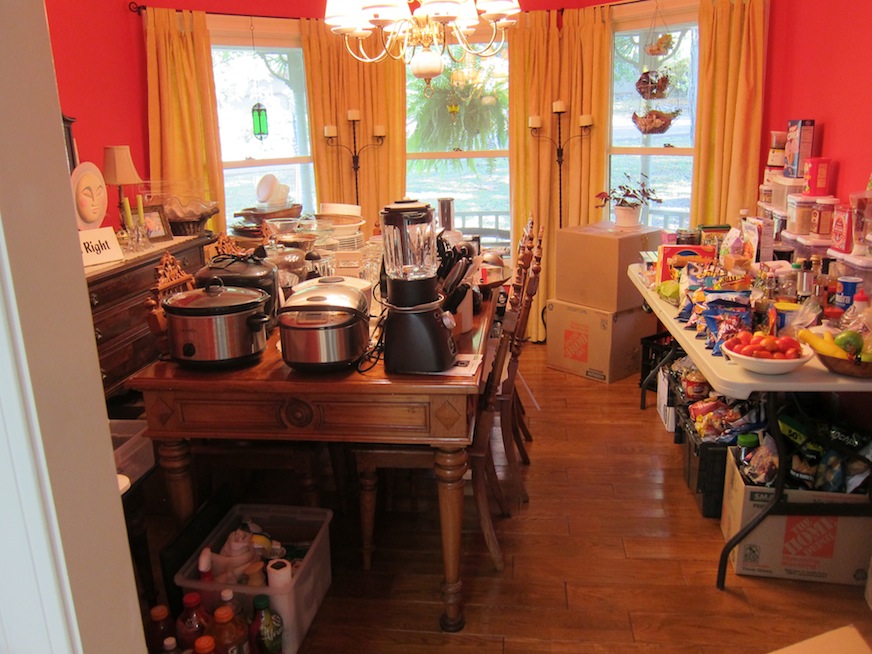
x=230 y=632
x=204 y=645
x=192 y=621
x=159 y=626
x=265 y=632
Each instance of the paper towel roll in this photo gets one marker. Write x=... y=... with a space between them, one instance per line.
x=278 y=574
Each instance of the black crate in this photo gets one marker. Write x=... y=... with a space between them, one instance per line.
x=654 y=348
x=704 y=466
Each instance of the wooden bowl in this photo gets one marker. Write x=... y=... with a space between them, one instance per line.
x=847 y=367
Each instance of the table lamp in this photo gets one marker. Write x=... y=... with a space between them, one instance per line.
x=118 y=170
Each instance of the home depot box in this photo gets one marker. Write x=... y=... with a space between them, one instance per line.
x=601 y=345
x=592 y=261
x=834 y=549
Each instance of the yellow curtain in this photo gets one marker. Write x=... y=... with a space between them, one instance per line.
x=337 y=83
x=571 y=64
x=184 y=148
x=732 y=45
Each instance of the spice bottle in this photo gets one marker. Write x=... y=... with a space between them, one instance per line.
x=192 y=621
x=265 y=632
x=159 y=626
x=230 y=632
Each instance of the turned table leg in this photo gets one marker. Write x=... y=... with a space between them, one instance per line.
x=175 y=460
x=450 y=466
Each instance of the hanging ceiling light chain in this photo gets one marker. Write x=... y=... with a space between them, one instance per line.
x=419 y=38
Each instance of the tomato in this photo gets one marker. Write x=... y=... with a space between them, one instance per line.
x=769 y=343
x=762 y=354
x=733 y=344
x=744 y=337
x=748 y=350
x=787 y=342
x=778 y=355
x=756 y=338
x=792 y=353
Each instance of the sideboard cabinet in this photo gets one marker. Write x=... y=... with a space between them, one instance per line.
x=118 y=293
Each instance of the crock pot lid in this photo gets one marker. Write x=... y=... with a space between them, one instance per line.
x=215 y=299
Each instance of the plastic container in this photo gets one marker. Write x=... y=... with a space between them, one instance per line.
x=822 y=215
x=134 y=453
x=816 y=176
x=766 y=193
x=799 y=210
x=782 y=187
x=294 y=527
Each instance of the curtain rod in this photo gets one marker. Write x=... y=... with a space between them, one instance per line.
x=139 y=9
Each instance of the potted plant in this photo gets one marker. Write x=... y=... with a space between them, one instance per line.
x=627 y=199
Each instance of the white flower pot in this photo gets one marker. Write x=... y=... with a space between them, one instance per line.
x=627 y=216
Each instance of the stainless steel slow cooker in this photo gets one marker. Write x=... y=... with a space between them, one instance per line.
x=324 y=327
x=217 y=325
x=245 y=271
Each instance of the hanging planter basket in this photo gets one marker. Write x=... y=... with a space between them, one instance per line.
x=660 y=47
x=655 y=122
x=653 y=85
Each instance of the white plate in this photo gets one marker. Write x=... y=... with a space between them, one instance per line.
x=350 y=229
x=770 y=366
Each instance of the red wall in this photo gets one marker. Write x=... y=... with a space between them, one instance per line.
x=818 y=58
x=818 y=67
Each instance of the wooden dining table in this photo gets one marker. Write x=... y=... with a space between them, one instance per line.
x=270 y=402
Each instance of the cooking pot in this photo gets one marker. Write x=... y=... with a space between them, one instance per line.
x=362 y=285
x=217 y=325
x=324 y=327
x=245 y=271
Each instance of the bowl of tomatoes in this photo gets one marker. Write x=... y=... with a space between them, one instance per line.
x=766 y=354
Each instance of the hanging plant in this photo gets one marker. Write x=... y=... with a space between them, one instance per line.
x=654 y=121
x=661 y=46
x=653 y=85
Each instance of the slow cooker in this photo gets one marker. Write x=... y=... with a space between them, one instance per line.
x=245 y=271
x=217 y=325
x=324 y=327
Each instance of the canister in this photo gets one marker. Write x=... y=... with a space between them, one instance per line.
x=784 y=313
x=822 y=215
x=799 y=208
x=766 y=193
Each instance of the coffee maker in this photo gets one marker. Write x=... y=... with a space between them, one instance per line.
x=417 y=330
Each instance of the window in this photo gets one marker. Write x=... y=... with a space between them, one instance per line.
x=654 y=77
x=261 y=60
x=457 y=144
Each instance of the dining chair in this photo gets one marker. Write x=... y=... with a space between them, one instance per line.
x=371 y=458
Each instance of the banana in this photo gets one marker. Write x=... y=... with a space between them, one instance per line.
x=821 y=345
x=828 y=336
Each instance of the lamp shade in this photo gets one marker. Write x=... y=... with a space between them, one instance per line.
x=118 y=168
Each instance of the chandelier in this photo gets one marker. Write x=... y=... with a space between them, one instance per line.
x=421 y=36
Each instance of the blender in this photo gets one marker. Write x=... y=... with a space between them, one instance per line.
x=417 y=330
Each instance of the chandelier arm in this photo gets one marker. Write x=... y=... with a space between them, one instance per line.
x=483 y=51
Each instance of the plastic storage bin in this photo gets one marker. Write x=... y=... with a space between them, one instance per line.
x=291 y=526
x=134 y=453
x=704 y=467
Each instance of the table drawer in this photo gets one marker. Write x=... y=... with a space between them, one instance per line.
x=119 y=319
x=129 y=354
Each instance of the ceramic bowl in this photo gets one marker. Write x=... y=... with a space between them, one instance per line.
x=770 y=366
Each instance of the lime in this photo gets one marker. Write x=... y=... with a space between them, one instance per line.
x=850 y=341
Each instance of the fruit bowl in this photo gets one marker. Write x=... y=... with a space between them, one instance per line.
x=847 y=367
x=770 y=366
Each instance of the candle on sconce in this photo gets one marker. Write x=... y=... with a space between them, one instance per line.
x=330 y=131
x=354 y=115
x=585 y=120
x=139 y=209
x=534 y=122
x=558 y=107
x=379 y=131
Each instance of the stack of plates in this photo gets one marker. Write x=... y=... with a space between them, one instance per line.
x=352 y=242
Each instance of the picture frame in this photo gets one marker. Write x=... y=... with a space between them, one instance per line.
x=157 y=224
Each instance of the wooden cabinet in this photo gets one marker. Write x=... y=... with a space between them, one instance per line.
x=118 y=294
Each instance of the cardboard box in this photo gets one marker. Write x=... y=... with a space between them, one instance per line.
x=601 y=345
x=844 y=640
x=592 y=262
x=832 y=549
x=800 y=142
x=766 y=237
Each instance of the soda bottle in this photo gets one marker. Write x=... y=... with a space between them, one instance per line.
x=265 y=632
x=228 y=599
x=230 y=632
x=204 y=645
x=192 y=621
x=170 y=646
x=159 y=626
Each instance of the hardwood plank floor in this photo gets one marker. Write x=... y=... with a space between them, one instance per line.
x=611 y=554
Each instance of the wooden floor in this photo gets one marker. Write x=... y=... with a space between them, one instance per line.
x=611 y=554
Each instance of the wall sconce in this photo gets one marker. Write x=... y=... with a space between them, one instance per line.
x=378 y=134
x=585 y=122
